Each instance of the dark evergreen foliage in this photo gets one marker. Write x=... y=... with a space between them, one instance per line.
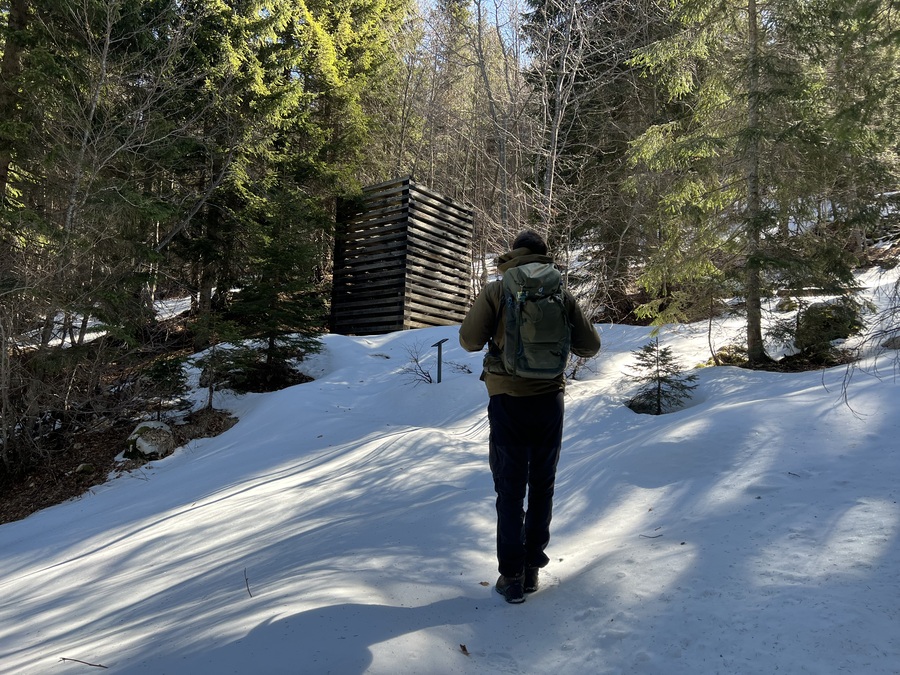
x=664 y=386
x=820 y=324
x=183 y=148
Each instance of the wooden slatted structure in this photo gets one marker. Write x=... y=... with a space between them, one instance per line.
x=402 y=260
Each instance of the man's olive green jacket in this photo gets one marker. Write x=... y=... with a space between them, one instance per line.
x=482 y=322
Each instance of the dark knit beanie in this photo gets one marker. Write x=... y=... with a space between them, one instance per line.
x=532 y=241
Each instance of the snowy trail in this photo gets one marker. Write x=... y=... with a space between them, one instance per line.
x=347 y=526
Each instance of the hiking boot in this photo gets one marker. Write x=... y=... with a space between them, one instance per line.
x=511 y=588
x=531 y=583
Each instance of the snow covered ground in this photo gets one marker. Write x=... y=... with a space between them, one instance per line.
x=347 y=526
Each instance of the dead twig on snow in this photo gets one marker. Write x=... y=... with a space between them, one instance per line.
x=92 y=665
x=247 y=582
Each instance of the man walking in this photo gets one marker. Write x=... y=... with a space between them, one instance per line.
x=525 y=413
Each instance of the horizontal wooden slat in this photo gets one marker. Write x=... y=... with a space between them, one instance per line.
x=456 y=232
x=375 y=211
x=390 y=261
x=386 y=190
x=383 y=315
x=364 y=275
x=351 y=313
x=435 y=288
x=427 y=238
x=432 y=270
x=391 y=241
x=425 y=258
x=369 y=287
x=458 y=221
x=348 y=234
x=437 y=231
x=378 y=260
x=401 y=180
x=402 y=259
x=362 y=208
x=375 y=206
x=437 y=199
x=434 y=307
x=393 y=185
x=429 y=285
x=431 y=316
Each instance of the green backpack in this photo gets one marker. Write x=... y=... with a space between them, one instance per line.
x=538 y=334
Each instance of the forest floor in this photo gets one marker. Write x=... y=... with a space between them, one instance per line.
x=90 y=461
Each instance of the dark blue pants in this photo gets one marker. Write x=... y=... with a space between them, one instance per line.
x=526 y=437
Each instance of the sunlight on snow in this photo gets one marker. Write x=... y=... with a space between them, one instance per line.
x=686 y=431
x=853 y=544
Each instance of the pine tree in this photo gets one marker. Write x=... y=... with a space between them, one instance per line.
x=279 y=307
x=753 y=161
x=665 y=387
x=147 y=145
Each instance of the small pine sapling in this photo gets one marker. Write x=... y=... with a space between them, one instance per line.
x=166 y=384
x=665 y=386
x=218 y=360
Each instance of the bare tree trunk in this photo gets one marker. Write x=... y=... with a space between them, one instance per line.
x=10 y=69
x=7 y=425
x=565 y=69
x=47 y=331
x=82 y=329
x=500 y=114
x=80 y=174
x=756 y=351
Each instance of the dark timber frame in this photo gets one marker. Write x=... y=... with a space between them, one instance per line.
x=402 y=260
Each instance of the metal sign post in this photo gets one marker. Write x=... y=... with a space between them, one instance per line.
x=440 y=345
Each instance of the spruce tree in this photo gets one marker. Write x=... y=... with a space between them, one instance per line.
x=763 y=141
x=664 y=385
x=145 y=147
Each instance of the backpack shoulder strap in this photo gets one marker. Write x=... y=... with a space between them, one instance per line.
x=492 y=346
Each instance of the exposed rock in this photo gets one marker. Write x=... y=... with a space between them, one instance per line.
x=203 y=424
x=150 y=440
x=786 y=305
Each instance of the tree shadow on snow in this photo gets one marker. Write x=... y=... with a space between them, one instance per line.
x=333 y=639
